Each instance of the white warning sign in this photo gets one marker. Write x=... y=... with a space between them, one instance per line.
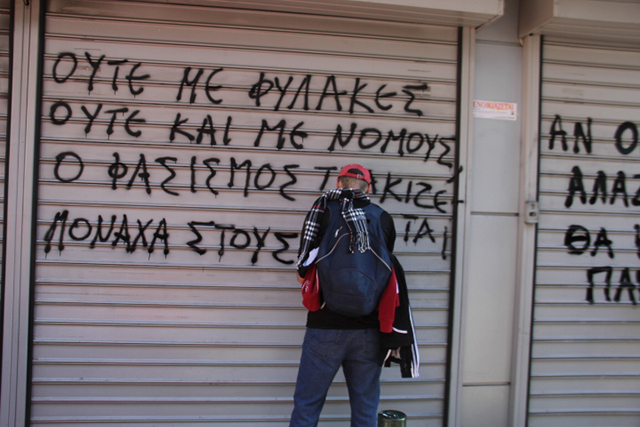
x=495 y=110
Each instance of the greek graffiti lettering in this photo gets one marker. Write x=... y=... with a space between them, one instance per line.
x=219 y=174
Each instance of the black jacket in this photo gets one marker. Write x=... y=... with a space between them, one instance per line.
x=400 y=346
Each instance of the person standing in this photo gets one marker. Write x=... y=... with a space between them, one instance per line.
x=334 y=340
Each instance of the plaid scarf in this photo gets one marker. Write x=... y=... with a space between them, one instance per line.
x=354 y=217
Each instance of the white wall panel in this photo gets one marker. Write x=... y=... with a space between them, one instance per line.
x=495 y=158
x=486 y=406
x=491 y=234
x=147 y=323
x=489 y=331
x=584 y=368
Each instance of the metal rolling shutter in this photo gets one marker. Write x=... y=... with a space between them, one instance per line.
x=5 y=25
x=585 y=368
x=188 y=311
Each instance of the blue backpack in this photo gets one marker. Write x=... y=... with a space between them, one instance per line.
x=352 y=283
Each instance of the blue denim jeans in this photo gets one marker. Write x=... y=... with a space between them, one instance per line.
x=323 y=352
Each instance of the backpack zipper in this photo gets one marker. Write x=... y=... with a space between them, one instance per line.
x=333 y=248
x=338 y=241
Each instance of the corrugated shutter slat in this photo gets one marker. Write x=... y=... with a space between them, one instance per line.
x=167 y=228
x=584 y=368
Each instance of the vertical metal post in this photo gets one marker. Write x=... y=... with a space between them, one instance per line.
x=453 y=402
x=19 y=222
x=526 y=233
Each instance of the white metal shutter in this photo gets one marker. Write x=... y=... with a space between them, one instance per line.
x=5 y=27
x=189 y=311
x=585 y=368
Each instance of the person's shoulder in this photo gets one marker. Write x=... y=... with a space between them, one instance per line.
x=380 y=209
x=385 y=217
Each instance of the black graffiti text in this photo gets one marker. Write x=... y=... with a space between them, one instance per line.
x=229 y=235
x=605 y=275
x=578 y=240
x=280 y=131
x=66 y=65
x=604 y=189
x=119 y=231
x=294 y=92
x=193 y=80
x=424 y=231
x=409 y=191
x=61 y=112
x=579 y=135
x=207 y=129
x=625 y=136
x=401 y=141
x=242 y=173
x=169 y=174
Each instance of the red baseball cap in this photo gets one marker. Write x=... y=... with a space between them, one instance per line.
x=356 y=171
